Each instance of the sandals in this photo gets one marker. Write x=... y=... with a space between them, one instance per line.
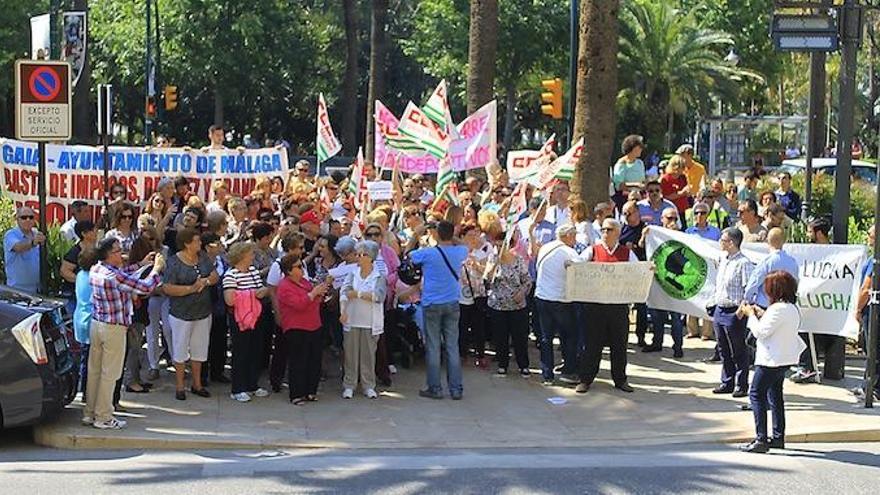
x=299 y=401
x=312 y=398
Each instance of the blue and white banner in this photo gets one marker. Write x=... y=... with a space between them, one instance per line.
x=76 y=172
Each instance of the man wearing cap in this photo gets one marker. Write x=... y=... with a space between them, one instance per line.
x=310 y=226
x=300 y=184
x=609 y=323
x=695 y=171
x=555 y=312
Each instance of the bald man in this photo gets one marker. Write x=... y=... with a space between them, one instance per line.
x=776 y=260
x=21 y=247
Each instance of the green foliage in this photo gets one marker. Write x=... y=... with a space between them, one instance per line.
x=7 y=221
x=58 y=245
x=265 y=59
x=532 y=43
x=670 y=61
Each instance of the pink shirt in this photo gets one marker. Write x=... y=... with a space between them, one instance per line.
x=298 y=311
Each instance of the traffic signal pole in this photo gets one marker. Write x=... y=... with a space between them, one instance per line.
x=148 y=120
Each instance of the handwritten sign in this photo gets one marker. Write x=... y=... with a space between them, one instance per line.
x=609 y=283
x=380 y=190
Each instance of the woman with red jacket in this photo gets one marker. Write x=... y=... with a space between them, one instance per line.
x=299 y=306
x=674 y=185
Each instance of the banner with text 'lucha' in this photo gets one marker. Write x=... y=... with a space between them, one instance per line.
x=76 y=172
x=829 y=275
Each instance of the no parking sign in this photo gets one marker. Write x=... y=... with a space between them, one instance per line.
x=42 y=100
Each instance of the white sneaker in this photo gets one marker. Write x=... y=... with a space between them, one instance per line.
x=240 y=397
x=111 y=424
x=261 y=392
x=87 y=420
x=392 y=369
x=348 y=393
x=371 y=393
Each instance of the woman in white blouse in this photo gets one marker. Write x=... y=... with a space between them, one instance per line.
x=778 y=348
x=362 y=316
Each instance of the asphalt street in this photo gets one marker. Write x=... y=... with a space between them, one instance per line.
x=803 y=468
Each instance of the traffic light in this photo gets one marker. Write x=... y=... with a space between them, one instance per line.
x=170 y=97
x=552 y=98
x=150 y=107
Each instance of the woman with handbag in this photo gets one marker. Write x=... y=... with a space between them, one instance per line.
x=509 y=286
x=778 y=348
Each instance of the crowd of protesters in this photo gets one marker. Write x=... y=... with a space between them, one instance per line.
x=224 y=291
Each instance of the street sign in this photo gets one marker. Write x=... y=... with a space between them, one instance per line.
x=804 y=33
x=42 y=100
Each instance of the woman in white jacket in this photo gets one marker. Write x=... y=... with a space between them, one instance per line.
x=362 y=316
x=778 y=348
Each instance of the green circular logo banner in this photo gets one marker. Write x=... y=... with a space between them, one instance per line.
x=679 y=270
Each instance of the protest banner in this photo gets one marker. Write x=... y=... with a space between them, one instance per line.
x=415 y=125
x=380 y=190
x=472 y=148
x=76 y=172
x=392 y=147
x=687 y=265
x=608 y=283
x=523 y=164
x=478 y=140
x=560 y=168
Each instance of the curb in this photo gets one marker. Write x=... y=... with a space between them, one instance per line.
x=55 y=437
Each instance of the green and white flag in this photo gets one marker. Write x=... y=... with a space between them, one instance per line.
x=561 y=168
x=386 y=125
x=829 y=278
x=445 y=175
x=328 y=144
x=425 y=132
x=437 y=109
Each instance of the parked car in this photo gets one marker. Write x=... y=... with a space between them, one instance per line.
x=38 y=375
x=861 y=170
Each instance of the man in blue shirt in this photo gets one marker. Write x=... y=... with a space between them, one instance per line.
x=440 y=292
x=776 y=260
x=787 y=198
x=21 y=247
x=651 y=209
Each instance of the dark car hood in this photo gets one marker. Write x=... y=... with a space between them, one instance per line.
x=16 y=305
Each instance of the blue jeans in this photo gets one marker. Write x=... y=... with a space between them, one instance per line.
x=658 y=323
x=441 y=328
x=730 y=333
x=557 y=317
x=766 y=392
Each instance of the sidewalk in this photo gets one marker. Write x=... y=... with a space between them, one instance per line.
x=673 y=403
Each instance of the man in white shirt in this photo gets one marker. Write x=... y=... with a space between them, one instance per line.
x=79 y=211
x=555 y=312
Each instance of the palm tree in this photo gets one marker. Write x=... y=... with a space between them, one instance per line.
x=482 y=48
x=671 y=62
x=377 y=68
x=596 y=96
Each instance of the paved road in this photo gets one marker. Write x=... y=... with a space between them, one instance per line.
x=804 y=468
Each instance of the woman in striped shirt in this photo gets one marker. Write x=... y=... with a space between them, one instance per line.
x=246 y=343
